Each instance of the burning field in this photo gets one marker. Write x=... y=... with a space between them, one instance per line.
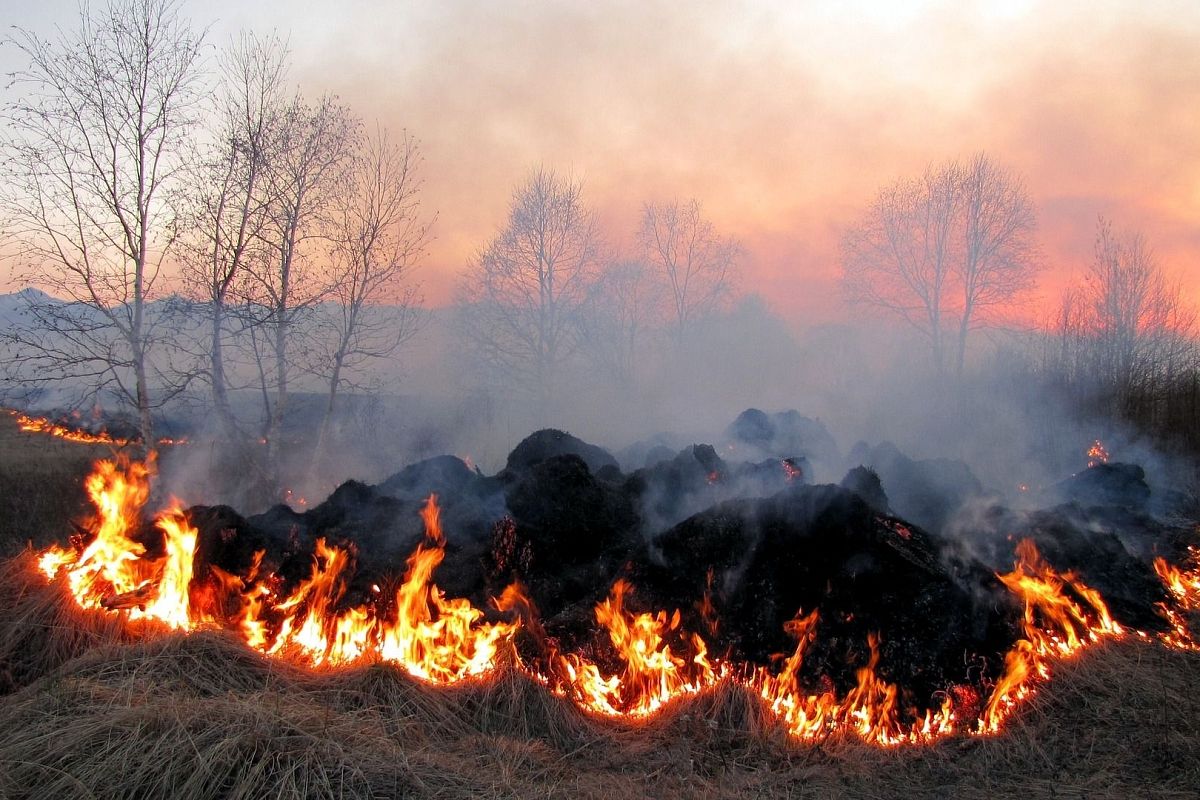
x=700 y=626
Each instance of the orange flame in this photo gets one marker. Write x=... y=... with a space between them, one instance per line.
x=29 y=424
x=1183 y=584
x=652 y=675
x=440 y=640
x=1097 y=454
x=1054 y=624
x=433 y=638
x=870 y=710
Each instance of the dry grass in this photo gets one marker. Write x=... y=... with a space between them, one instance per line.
x=41 y=486
x=92 y=709
x=110 y=713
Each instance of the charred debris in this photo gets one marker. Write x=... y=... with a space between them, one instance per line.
x=739 y=539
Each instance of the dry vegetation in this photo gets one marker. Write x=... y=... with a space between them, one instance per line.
x=93 y=709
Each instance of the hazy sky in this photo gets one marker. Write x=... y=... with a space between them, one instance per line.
x=783 y=118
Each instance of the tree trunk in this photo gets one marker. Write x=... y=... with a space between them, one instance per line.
x=326 y=420
x=274 y=454
x=220 y=392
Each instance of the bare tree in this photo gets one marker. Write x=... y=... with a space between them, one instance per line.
x=229 y=199
x=898 y=255
x=623 y=305
x=95 y=146
x=1137 y=317
x=696 y=263
x=520 y=297
x=377 y=235
x=997 y=260
x=951 y=245
x=311 y=161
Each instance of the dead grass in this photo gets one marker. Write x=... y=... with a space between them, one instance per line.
x=41 y=486
x=105 y=712
x=92 y=709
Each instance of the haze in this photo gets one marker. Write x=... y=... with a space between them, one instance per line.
x=783 y=119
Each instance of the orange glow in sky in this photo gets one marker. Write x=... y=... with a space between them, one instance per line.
x=783 y=118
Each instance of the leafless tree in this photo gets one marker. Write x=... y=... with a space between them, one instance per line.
x=943 y=250
x=1136 y=315
x=520 y=297
x=1124 y=344
x=623 y=306
x=898 y=255
x=997 y=260
x=311 y=162
x=377 y=235
x=696 y=264
x=229 y=200
x=95 y=145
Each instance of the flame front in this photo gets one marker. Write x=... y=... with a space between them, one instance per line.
x=125 y=569
x=433 y=638
x=652 y=674
x=29 y=424
x=1183 y=584
x=1054 y=624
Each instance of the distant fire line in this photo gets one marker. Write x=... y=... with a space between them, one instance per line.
x=29 y=424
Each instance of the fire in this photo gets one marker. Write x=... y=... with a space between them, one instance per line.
x=652 y=674
x=1062 y=615
x=432 y=637
x=436 y=639
x=147 y=573
x=871 y=710
x=1097 y=454
x=111 y=564
x=1183 y=584
x=791 y=470
x=29 y=424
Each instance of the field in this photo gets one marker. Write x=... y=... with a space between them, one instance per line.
x=95 y=709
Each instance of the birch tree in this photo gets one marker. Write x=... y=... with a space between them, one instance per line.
x=310 y=165
x=695 y=263
x=521 y=296
x=97 y=141
x=230 y=200
x=377 y=234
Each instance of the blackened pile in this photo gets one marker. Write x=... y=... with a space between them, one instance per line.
x=740 y=548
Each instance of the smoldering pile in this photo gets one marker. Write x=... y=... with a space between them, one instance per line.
x=901 y=552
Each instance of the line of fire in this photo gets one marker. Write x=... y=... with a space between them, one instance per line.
x=843 y=617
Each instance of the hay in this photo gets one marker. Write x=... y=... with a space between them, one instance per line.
x=41 y=627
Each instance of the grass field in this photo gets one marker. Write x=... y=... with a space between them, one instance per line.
x=93 y=709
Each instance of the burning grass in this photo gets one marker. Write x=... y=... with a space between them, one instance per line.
x=286 y=690
x=200 y=716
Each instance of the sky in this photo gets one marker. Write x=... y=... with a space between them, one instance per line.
x=782 y=118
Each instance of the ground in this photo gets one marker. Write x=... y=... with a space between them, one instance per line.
x=93 y=709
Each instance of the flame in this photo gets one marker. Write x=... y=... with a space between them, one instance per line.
x=1097 y=454
x=1183 y=584
x=652 y=674
x=871 y=710
x=791 y=470
x=111 y=564
x=432 y=637
x=436 y=639
x=1054 y=623
x=148 y=573
x=28 y=424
